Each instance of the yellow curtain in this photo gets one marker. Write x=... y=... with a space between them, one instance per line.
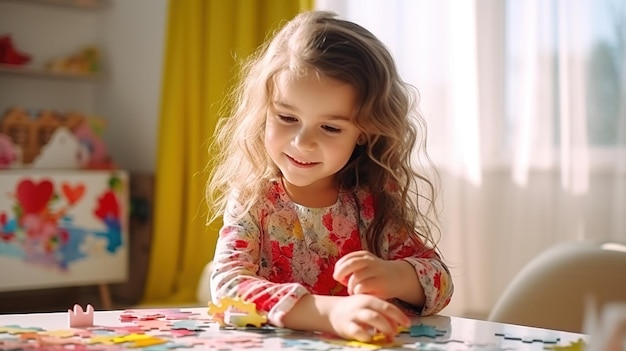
x=203 y=38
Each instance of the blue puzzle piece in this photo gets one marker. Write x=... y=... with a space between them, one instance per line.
x=425 y=330
x=187 y=324
x=304 y=344
x=425 y=346
x=165 y=347
x=528 y=339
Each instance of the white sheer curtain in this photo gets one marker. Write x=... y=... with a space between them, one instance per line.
x=525 y=103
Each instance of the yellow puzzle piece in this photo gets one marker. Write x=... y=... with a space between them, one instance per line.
x=236 y=312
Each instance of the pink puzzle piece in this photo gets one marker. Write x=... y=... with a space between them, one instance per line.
x=152 y=314
x=223 y=342
x=154 y=324
x=79 y=318
x=129 y=329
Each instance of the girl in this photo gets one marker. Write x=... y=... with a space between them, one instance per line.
x=324 y=226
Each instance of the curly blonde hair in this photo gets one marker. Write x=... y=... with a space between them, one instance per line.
x=387 y=116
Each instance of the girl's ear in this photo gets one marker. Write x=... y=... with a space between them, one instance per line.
x=361 y=140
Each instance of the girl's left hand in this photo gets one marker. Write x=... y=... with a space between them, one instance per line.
x=364 y=273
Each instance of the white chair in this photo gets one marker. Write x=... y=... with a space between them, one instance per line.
x=203 y=291
x=552 y=289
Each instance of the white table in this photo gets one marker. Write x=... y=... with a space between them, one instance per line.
x=454 y=334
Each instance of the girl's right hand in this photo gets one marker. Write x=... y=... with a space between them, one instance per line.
x=360 y=317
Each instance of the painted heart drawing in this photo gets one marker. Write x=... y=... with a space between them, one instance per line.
x=73 y=193
x=34 y=196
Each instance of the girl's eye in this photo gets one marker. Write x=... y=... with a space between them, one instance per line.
x=331 y=129
x=287 y=119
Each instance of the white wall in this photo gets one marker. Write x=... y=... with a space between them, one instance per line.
x=131 y=35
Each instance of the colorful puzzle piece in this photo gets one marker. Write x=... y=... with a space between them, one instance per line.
x=145 y=342
x=182 y=332
x=127 y=329
x=379 y=341
x=578 y=345
x=528 y=339
x=305 y=344
x=156 y=313
x=430 y=331
x=428 y=346
x=186 y=324
x=14 y=329
x=224 y=342
x=165 y=347
x=68 y=333
x=244 y=313
x=15 y=344
x=154 y=324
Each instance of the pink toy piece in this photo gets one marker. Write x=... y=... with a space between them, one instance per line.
x=79 y=318
x=8 y=155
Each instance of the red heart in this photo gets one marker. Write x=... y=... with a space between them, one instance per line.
x=34 y=197
x=73 y=194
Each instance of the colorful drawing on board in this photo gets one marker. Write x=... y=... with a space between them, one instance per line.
x=40 y=228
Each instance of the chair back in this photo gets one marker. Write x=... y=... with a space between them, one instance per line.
x=552 y=289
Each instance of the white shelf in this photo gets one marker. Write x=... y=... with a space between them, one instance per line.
x=79 y=4
x=40 y=72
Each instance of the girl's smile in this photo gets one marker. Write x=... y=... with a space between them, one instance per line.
x=302 y=163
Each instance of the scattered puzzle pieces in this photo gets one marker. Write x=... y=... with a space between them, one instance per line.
x=152 y=314
x=16 y=329
x=244 y=328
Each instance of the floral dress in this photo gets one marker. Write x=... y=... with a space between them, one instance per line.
x=280 y=251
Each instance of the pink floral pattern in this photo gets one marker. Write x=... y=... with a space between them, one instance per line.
x=280 y=251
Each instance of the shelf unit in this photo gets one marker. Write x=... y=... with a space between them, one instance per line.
x=41 y=72
x=64 y=27
x=79 y=4
x=35 y=86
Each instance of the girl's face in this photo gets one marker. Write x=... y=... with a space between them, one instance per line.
x=310 y=134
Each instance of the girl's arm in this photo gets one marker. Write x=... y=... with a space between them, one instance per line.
x=426 y=276
x=236 y=264
x=358 y=317
x=411 y=273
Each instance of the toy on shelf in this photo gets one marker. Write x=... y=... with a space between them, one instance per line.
x=50 y=139
x=86 y=61
x=8 y=155
x=9 y=54
x=236 y=313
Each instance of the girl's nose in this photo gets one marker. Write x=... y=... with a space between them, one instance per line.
x=305 y=140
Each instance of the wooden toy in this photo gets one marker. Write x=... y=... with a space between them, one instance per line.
x=17 y=124
x=84 y=61
x=32 y=134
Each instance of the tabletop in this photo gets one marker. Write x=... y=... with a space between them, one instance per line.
x=193 y=328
